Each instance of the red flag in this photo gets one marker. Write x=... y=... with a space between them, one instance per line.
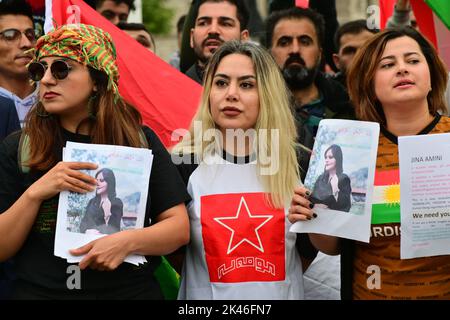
x=166 y=98
x=432 y=28
x=37 y=5
x=243 y=238
x=424 y=16
x=302 y=3
x=429 y=25
x=425 y=20
x=386 y=10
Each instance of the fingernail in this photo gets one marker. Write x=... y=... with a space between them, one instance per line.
x=308 y=193
x=309 y=218
x=311 y=205
x=315 y=215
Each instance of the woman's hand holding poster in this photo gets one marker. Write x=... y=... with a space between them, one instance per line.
x=117 y=204
x=340 y=177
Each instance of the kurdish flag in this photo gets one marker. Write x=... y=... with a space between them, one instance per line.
x=386 y=197
x=433 y=21
x=166 y=98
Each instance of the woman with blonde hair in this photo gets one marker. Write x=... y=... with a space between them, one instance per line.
x=77 y=72
x=240 y=166
x=398 y=80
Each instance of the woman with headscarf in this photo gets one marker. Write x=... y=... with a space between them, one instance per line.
x=79 y=101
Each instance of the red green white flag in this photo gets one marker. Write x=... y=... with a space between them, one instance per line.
x=432 y=16
x=386 y=197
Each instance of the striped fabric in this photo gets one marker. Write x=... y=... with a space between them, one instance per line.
x=85 y=44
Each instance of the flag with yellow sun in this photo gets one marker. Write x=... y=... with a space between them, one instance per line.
x=386 y=197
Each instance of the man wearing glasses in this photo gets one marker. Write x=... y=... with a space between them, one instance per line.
x=16 y=37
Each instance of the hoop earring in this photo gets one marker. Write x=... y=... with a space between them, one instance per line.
x=41 y=112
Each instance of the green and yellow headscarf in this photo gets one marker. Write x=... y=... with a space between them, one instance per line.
x=85 y=44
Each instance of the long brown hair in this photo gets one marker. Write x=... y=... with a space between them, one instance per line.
x=111 y=121
x=360 y=79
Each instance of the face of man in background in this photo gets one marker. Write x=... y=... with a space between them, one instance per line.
x=349 y=44
x=216 y=23
x=143 y=38
x=114 y=12
x=13 y=60
x=296 y=49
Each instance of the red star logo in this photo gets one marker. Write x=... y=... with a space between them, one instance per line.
x=244 y=227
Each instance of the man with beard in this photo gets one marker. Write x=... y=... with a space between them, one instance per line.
x=216 y=21
x=294 y=38
x=348 y=39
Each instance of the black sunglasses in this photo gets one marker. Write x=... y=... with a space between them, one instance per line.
x=14 y=34
x=59 y=69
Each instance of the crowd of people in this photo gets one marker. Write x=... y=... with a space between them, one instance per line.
x=204 y=213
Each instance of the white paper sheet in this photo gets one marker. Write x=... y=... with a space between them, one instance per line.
x=358 y=141
x=424 y=195
x=131 y=168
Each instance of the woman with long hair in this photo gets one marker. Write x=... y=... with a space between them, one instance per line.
x=239 y=163
x=332 y=188
x=103 y=212
x=398 y=80
x=79 y=101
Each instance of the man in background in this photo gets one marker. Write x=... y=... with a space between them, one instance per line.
x=17 y=36
x=216 y=21
x=139 y=32
x=113 y=10
x=348 y=39
x=294 y=38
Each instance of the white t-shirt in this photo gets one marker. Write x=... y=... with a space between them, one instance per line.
x=240 y=248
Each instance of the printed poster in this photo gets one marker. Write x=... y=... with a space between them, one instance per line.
x=340 y=177
x=117 y=204
x=424 y=195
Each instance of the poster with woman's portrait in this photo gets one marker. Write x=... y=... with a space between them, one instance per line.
x=118 y=202
x=340 y=177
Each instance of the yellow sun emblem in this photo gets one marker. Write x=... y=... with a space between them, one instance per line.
x=391 y=194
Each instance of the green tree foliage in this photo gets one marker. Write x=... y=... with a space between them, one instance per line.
x=157 y=16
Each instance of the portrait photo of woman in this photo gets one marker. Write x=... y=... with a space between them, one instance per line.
x=332 y=189
x=104 y=212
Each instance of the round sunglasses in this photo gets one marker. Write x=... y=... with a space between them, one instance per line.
x=14 y=34
x=59 y=69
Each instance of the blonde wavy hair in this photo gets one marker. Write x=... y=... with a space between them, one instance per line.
x=275 y=112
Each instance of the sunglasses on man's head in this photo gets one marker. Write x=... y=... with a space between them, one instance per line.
x=59 y=69
x=14 y=34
